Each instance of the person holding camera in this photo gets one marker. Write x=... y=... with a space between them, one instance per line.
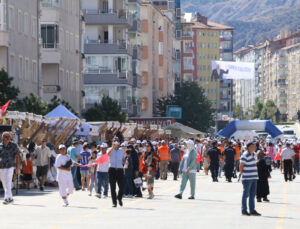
x=116 y=173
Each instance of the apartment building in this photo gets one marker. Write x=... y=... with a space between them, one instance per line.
x=109 y=42
x=19 y=44
x=61 y=59
x=244 y=92
x=202 y=42
x=158 y=34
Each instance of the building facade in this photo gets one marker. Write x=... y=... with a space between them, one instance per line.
x=19 y=44
x=202 y=42
x=61 y=59
x=111 y=35
x=157 y=37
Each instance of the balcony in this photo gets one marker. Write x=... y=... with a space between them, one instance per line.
x=137 y=26
x=135 y=1
x=51 y=53
x=108 y=77
x=50 y=3
x=137 y=53
x=110 y=17
x=111 y=47
x=127 y=107
x=137 y=81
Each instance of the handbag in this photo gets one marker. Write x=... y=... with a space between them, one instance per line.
x=138 y=182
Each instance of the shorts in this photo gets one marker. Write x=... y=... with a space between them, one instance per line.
x=27 y=177
x=84 y=173
x=42 y=171
x=151 y=185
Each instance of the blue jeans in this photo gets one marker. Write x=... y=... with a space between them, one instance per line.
x=296 y=166
x=74 y=175
x=128 y=190
x=102 y=178
x=249 y=190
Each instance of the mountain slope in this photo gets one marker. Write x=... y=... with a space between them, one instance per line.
x=252 y=19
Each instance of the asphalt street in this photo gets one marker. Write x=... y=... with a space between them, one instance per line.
x=217 y=205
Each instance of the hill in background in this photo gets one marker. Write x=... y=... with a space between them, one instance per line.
x=253 y=19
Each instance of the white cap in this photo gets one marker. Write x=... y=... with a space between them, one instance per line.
x=124 y=144
x=138 y=142
x=163 y=141
x=144 y=142
x=103 y=145
x=133 y=140
x=154 y=143
x=61 y=146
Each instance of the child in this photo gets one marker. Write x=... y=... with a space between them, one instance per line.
x=150 y=181
x=84 y=171
x=92 y=172
x=64 y=176
x=128 y=172
x=268 y=160
x=27 y=170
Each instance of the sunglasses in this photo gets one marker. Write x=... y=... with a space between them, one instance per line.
x=6 y=136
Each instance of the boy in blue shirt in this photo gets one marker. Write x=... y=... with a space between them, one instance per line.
x=84 y=171
x=268 y=160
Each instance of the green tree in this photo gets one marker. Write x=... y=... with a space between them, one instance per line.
x=31 y=104
x=257 y=110
x=108 y=110
x=196 y=108
x=7 y=91
x=268 y=111
x=238 y=112
x=55 y=101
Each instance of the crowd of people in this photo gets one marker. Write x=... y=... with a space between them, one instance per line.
x=96 y=168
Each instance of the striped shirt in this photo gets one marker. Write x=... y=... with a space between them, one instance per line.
x=250 y=167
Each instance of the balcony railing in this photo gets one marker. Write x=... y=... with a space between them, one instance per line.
x=106 y=76
x=3 y=15
x=50 y=3
x=108 y=47
x=50 y=45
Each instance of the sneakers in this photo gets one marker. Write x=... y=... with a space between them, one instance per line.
x=150 y=197
x=255 y=213
x=191 y=198
x=105 y=196
x=8 y=201
x=98 y=195
x=41 y=188
x=90 y=194
x=178 y=196
x=130 y=196
x=66 y=203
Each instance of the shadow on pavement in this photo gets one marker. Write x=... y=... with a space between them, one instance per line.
x=82 y=207
x=29 y=205
x=277 y=217
x=143 y=209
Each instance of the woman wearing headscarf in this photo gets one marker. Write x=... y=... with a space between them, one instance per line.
x=188 y=167
x=151 y=157
x=263 y=175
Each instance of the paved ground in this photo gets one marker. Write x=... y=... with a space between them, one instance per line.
x=217 y=205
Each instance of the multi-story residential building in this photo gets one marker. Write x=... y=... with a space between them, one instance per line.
x=61 y=59
x=244 y=90
x=109 y=45
x=157 y=37
x=203 y=41
x=19 y=44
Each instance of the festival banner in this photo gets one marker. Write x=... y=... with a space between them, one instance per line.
x=232 y=70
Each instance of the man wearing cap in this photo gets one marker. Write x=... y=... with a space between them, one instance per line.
x=42 y=154
x=287 y=161
x=164 y=157
x=9 y=158
x=63 y=164
x=116 y=174
x=74 y=155
x=229 y=157
x=175 y=160
x=249 y=173
x=214 y=155
x=102 y=173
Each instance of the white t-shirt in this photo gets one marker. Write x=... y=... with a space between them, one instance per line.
x=62 y=174
x=43 y=154
x=287 y=154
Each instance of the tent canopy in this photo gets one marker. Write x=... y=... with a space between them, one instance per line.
x=61 y=112
x=260 y=125
x=180 y=130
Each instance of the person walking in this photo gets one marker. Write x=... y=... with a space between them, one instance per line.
x=229 y=158
x=84 y=171
x=296 y=149
x=175 y=160
x=42 y=154
x=74 y=155
x=116 y=174
x=93 y=172
x=9 y=159
x=287 y=162
x=263 y=175
x=102 y=173
x=128 y=172
x=164 y=157
x=249 y=173
x=188 y=167
x=214 y=155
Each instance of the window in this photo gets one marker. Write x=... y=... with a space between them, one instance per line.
x=160 y=48
x=67 y=44
x=49 y=34
x=145 y=78
x=20 y=67
x=12 y=65
x=34 y=71
x=26 y=70
x=34 y=27
x=61 y=78
x=20 y=21
x=62 y=37
x=144 y=104
x=26 y=24
x=188 y=46
x=11 y=17
x=67 y=79
x=188 y=63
